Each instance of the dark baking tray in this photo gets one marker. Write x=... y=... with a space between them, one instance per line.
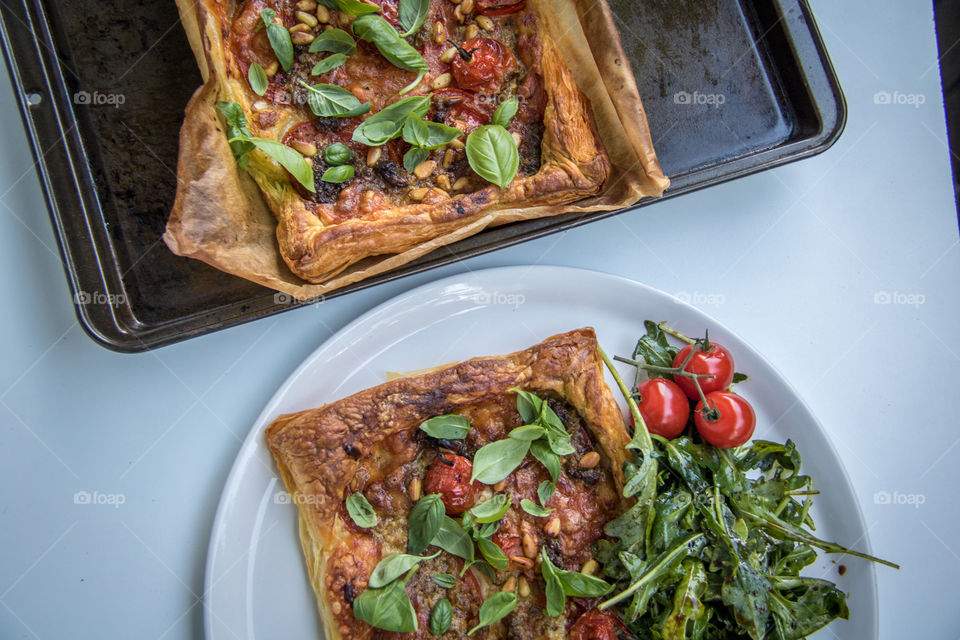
x=108 y=169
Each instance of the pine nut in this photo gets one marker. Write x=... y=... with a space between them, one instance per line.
x=523 y=587
x=510 y=584
x=485 y=23
x=305 y=148
x=458 y=12
x=590 y=567
x=530 y=546
x=438 y=32
x=455 y=1
x=373 y=155
x=306 y=18
x=457 y=144
x=467 y=7
x=521 y=561
x=309 y=161
x=471 y=32
x=414 y=488
x=424 y=169
x=500 y=486
x=271 y=69
x=441 y=81
x=298 y=27
x=461 y=183
x=444 y=183
x=323 y=14
x=447 y=56
x=418 y=194
x=260 y=105
x=590 y=460
x=448 y=158
x=517 y=138
x=553 y=528
x=301 y=37
x=307 y=5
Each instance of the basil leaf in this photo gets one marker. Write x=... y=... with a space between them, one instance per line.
x=491 y=510
x=394 y=566
x=529 y=432
x=495 y=608
x=387 y=123
x=337 y=153
x=338 y=175
x=396 y=50
x=440 y=617
x=334 y=41
x=505 y=112
x=424 y=523
x=493 y=554
x=483 y=568
x=266 y=17
x=580 y=585
x=495 y=461
x=545 y=491
x=279 y=39
x=448 y=427
x=556 y=599
x=560 y=444
x=288 y=158
x=328 y=63
x=355 y=7
x=236 y=128
x=388 y=608
x=328 y=100
x=429 y=135
x=361 y=511
x=534 y=509
x=493 y=155
x=412 y=14
x=258 y=79
x=529 y=405
x=542 y=452
x=413 y=157
x=452 y=538
x=445 y=580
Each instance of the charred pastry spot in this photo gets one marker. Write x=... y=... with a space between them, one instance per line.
x=459 y=208
x=351 y=450
x=588 y=476
x=327 y=192
x=349 y=593
x=390 y=172
x=554 y=552
x=329 y=124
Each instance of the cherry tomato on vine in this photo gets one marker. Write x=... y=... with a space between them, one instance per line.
x=664 y=407
x=595 y=625
x=483 y=67
x=729 y=420
x=452 y=482
x=714 y=360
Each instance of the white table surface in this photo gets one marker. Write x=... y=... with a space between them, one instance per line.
x=792 y=259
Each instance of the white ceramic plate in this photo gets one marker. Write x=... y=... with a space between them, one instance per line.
x=256 y=582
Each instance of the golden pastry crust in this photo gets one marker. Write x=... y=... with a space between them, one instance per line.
x=317 y=246
x=371 y=442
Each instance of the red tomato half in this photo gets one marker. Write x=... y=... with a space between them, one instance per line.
x=715 y=361
x=729 y=421
x=664 y=407
x=489 y=63
x=595 y=625
x=452 y=483
x=500 y=7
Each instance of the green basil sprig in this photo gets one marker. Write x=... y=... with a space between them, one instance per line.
x=441 y=616
x=361 y=511
x=258 y=79
x=288 y=158
x=387 y=124
x=424 y=523
x=236 y=131
x=334 y=41
x=491 y=510
x=542 y=452
x=505 y=111
x=495 y=461
x=529 y=432
x=534 y=509
x=428 y=135
x=279 y=38
x=339 y=174
x=396 y=50
x=355 y=7
x=492 y=153
x=412 y=14
x=495 y=608
x=545 y=491
x=452 y=538
x=394 y=566
x=388 y=608
x=445 y=580
x=327 y=100
x=561 y=583
x=327 y=64
x=413 y=157
x=447 y=427
x=337 y=154
x=493 y=554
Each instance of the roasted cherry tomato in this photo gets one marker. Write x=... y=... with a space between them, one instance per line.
x=500 y=7
x=508 y=538
x=595 y=625
x=714 y=360
x=452 y=482
x=482 y=65
x=664 y=407
x=728 y=422
x=464 y=118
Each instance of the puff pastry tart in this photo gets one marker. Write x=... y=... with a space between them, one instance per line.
x=407 y=120
x=456 y=502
